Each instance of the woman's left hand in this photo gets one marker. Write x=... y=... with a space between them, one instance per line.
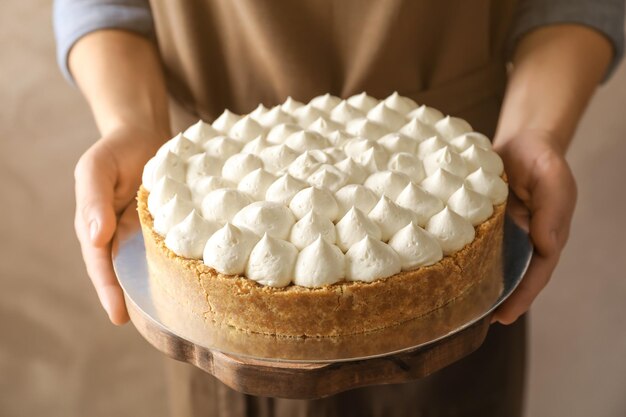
x=542 y=201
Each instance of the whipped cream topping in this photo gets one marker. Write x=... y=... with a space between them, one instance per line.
x=442 y=184
x=228 y=249
x=357 y=146
x=339 y=137
x=426 y=114
x=239 y=165
x=367 y=152
x=355 y=195
x=180 y=146
x=401 y=104
x=387 y=117
x=256 y=183
x=263 y=217
x=324 y=126
x=279 y=133
x=319 y=264
x=200 y=132
x=256 y=146
x=271 y=262
x=222 y=204
x=488 y=184
x=447 y=159
x=202 y=165
x=418 y=130
x=308 y=228
x=160 y=165
x=477 y=157
x=328 y=177
x=390 y=217
x=307 y=114
x=306 y=140
x=366 y=128
x=355 y=172
x=222 y=147
x=317 y=199
x=274 y=117
x=389 y=183
x=290 y=105
x=461 y=143
x=188 y=238
x=450 y=127
x=278 y=157
x=334 y=154
x=362 y=101
x=397 y=142
x=451 y=230
x=373 y=160
x=473 y=206
x=275 y=181
x=421 y=202
x=201 y=187
x=259 y=111
x=429 y=146
x=321 y=156
x=344 y=112
x=407 y=164
x=225 y=121
x=415 y=247
x=304 y=165
x=164 y=190
x=246 y=129
x=284 y=189
x=370 y=259
x=171 y=213
x=325 y=102
x=353 y=227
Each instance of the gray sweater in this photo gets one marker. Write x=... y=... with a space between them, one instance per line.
x=74 y=19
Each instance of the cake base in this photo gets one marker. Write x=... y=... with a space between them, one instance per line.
x=343 y=308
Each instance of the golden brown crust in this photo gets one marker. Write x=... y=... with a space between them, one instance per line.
x=339 y=309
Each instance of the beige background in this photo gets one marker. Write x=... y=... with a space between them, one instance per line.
x=60 y=357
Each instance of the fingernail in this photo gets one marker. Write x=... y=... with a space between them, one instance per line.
x=93 y=229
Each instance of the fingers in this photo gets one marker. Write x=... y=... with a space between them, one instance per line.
x=100 y=270
x=518 y=212
x=535 y=280
x=95 y=223
x=551 y=203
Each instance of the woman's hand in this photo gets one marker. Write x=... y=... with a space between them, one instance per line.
x=543 y=201
x=107 y=177
x=555 y=71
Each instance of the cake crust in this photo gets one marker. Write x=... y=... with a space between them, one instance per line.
x=339 y=309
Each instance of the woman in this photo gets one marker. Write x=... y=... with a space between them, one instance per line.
x=126 y=56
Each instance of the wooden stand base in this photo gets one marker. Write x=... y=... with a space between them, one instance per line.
x=312 y=380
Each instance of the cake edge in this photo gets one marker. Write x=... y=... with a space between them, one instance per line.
x=343 y=308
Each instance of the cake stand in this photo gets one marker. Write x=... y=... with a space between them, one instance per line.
x=313 y=367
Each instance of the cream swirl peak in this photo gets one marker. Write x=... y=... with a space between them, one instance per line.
x=309 y=193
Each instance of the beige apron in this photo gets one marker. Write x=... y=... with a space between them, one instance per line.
x=448 y=54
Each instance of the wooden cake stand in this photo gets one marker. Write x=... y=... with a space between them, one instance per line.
x=308 y=368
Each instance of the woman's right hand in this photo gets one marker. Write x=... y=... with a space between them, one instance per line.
x=107 y=177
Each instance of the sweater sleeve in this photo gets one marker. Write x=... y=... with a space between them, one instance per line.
x=73 y=19
x=605 y=16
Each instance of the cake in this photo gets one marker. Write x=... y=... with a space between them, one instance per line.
x=330 y=218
